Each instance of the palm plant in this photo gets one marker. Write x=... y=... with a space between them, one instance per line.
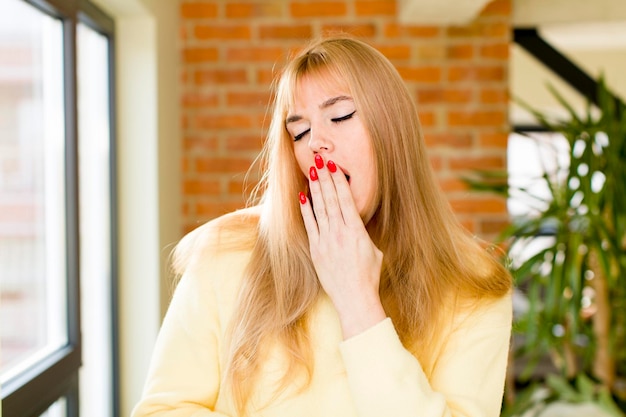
x=575 y=284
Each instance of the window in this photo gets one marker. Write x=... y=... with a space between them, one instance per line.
x=32 y=207
x=530 y=156
x=95 y=198
x=55 y=118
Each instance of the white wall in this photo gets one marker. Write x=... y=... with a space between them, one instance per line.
x=148 y=176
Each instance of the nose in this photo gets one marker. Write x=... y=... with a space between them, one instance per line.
x=319 y=140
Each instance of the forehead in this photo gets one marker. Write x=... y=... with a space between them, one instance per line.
x=316 y=90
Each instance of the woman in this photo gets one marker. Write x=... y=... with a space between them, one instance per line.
x=350 y=289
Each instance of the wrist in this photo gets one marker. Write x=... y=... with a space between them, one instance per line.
x=360 y=314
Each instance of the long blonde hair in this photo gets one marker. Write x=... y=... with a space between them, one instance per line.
x=429 y=259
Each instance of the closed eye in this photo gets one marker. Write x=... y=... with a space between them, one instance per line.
x=343 y=118
x=301 y=135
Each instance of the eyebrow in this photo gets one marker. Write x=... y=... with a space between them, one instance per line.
x=324 y=105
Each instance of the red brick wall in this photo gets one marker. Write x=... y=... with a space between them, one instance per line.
x=230 y=50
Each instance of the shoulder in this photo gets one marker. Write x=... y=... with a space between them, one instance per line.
x=231 y=234
x=487 y=312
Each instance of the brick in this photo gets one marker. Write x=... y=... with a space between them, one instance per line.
x=454 y=140
x=494 y=96
x=426 y=74
x=366 y=30
x=196 y=100
x=216 y=165
x=221 y=76
x=478 y=205
x=467 y=162
x=395 y=52
x=237 y=187
x=198 y=10
x=450 y=185
x=494 y=140
x=498 y=51
x=394 y=30
x=223 y=32
x=196 y=55
x=375 y=8
x=248 y=99
x=471 y=73
x=431 y=51
x=202 y=143
x=442 y=96
x=495 y=30
x=457 y=96
x=211 y=209
x=481 y=29
x=467 y=31
x=201 y=187
x=300 y=9
x=492 y=226
x=286 y=32
x=461 y=51
x=241 y=188
x=261 y=8
x=231 y=121
x=477 y=118
x=244 y=143
x=265 y=76
x=254 y=53
x=427 y=118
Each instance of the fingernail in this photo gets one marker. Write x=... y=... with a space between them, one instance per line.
x=313 y=174
x=331 y=166
x=319 y=162
x=302 y=197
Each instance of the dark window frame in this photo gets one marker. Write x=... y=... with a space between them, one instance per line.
x=55 y=377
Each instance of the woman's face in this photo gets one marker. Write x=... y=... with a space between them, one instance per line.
x=325 y=121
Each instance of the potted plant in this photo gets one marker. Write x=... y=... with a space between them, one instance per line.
x=575 y=284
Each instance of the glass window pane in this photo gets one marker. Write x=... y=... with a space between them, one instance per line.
x=95 y=220
x=529 y=158
x=32 y=187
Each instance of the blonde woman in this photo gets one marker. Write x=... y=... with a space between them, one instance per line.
x=350 y=289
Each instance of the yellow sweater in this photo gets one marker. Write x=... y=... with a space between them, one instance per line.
x=369 y=375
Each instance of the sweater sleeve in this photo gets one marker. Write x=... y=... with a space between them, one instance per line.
x=184 y=374
x=467 y=380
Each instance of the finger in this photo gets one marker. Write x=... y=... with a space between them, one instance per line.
x=310 y=224
x=345 y=199
x=329 y=193
x=317 y=200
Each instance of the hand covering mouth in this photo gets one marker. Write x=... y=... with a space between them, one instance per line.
x=345 y=173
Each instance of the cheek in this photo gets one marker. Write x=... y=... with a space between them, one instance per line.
x=302 y=158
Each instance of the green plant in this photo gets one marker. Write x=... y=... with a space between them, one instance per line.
x=576 y=284
x=538 y=396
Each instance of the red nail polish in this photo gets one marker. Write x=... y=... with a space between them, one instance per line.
x=302 y=197
x=331 y=166
x=313 y=174
x=319 y=162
